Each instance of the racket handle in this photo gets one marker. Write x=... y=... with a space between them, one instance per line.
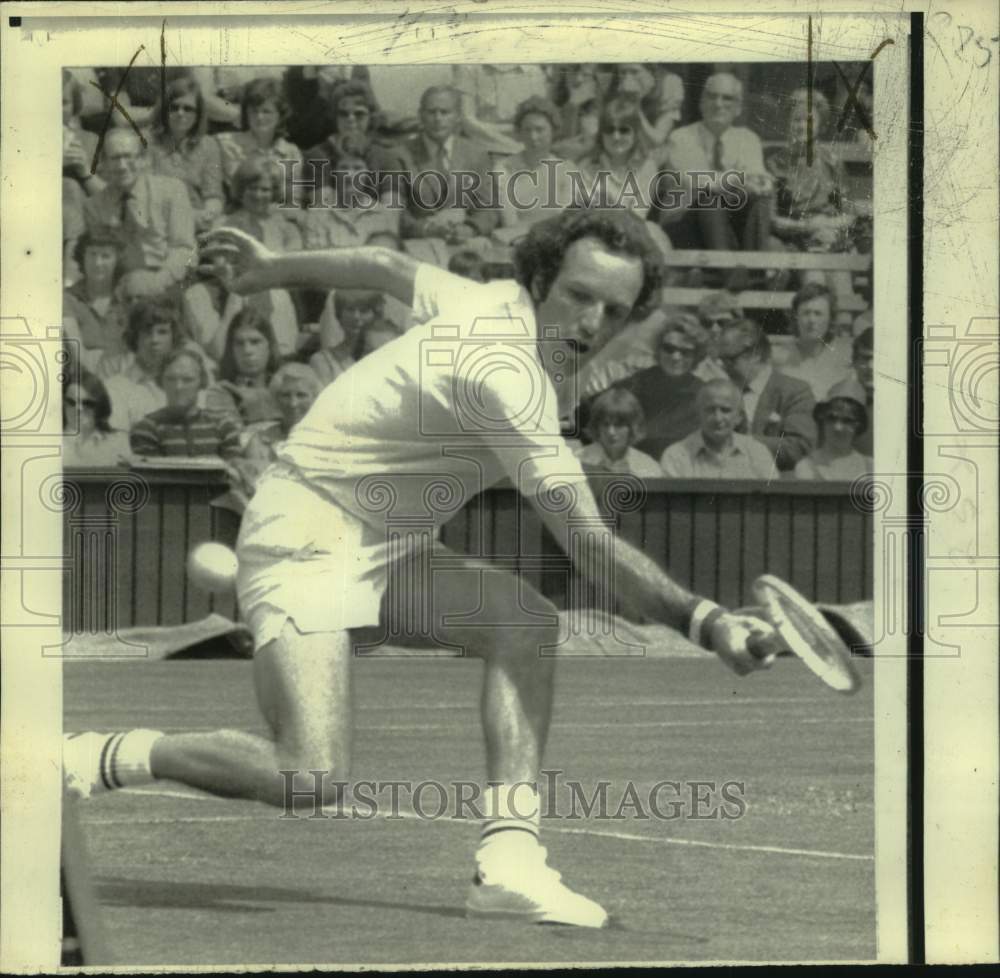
x=765 y=646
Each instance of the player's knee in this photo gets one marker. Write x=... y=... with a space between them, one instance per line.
x=308 y=782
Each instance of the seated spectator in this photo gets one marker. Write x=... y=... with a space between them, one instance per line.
x=180 y=147
x=182 y=427
x=468 y=264
x=433 y=205
x=348 y=211
x=660 y=94
x=816 y=354
x=355 y=114
x=716 y=450
x=621 y=168
x=294 y=387
x=579 y=91
x=311 y=92
x=840 y=421
x=208 y=307
x=376 y=335
x=257 y=183
x=79 y=144
x=93 y=313
x=88 y=438
x=152 y=214
x=73 y=226
x=778 y=408
x=491 y=94
x=341 y=338
x=152 y=334
x=223 y=87
x=616 y=424
x=263 y=117
x=535 y=181
x=249 y=360
x=667 y=391
x=860 y=385
x=732 y=155
x=811 y=212
x=715 y=312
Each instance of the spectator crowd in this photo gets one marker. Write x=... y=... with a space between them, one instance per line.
x=453 y=164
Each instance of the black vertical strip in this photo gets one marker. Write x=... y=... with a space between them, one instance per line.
x=914 y=485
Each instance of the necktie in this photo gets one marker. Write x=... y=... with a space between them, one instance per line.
x=717 y=155
x=126 y=199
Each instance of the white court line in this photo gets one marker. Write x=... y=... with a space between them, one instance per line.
x=602 y=725
x=412 y=816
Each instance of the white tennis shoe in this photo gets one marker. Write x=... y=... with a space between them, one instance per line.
x=87 y=760
x=514 y=882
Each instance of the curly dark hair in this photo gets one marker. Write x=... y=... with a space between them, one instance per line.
x=144 y=314
x=260 y=91
x=841 y=407
x=538 y=258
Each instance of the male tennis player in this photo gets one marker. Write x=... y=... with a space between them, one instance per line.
x=470 y=395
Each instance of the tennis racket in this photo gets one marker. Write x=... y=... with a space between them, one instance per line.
x=806 y=633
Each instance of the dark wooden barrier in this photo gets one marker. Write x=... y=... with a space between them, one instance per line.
x=127 y=536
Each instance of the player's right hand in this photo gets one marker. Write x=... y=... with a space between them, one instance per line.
x=238 y=259
x=743 y=642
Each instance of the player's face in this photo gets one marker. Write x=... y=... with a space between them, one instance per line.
x=592 y=296
x=294 y=400
x=719 y=414
x=536 y=132
x=262 y=120
x=721 y=101
x=812 y=319
x=676 y=354
x=99 y=261
x=439 y=116
x=353 y=115
x=152 y=347
x=250 y=352
x=614 y=435
x=181 y=383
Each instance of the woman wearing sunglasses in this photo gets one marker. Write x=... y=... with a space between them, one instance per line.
x=89 y=441
x=179 y=147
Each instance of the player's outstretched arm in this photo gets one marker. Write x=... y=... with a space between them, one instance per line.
x=245 y=266
x=643 y=586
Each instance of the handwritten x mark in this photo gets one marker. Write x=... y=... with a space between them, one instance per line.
x=851 y=104
x=115 y=104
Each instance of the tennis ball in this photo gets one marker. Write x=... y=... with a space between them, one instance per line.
x=212 y=567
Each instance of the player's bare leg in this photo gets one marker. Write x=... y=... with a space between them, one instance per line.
x=303 y=688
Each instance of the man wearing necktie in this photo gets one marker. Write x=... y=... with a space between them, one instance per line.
x=443 y=164
x=152 y=213
x=727 y=207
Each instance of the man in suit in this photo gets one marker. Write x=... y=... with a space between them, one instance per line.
x=449 y=194
x=779 y=408
x=152 y=214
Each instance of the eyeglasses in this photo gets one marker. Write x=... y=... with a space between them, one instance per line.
x=182 y=107
x=619 y=130
x=671 y=348
x=87 y=402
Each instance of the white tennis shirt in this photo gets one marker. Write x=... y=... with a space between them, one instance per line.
x=458 y=403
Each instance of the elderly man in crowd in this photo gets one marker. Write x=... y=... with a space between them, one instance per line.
x=151 y=213
x=728 y=207
x=778 y=408
x=434 y=208
x=717 y=450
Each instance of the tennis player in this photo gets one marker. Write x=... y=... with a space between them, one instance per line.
x=470 y=395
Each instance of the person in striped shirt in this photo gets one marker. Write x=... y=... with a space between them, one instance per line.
x=182 y=427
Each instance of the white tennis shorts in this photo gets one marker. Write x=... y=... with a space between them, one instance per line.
x=302 y=557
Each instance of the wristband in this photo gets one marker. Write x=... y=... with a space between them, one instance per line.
x=703 y=616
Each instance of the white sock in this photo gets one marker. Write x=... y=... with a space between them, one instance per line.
x=124 y=760
x=512 y=814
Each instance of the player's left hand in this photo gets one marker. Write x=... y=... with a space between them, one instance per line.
x=743 y=642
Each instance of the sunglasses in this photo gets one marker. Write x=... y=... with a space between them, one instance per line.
x=619 y=130
x=87 y=402
x=182 y=107
x=671 y=348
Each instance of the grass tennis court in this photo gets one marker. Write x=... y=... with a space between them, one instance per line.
x=189 y=879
